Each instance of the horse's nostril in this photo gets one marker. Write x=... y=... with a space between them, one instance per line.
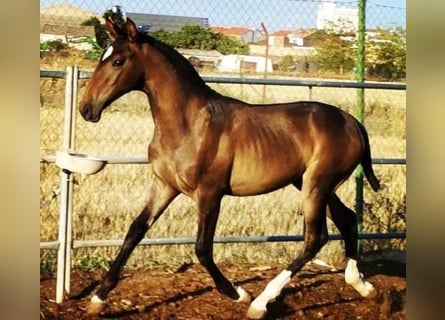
x=85 y=111
x=88 y=113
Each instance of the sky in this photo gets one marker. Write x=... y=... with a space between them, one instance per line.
x=275 y=14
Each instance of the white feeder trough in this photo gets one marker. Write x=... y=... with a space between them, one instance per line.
x=79 y=163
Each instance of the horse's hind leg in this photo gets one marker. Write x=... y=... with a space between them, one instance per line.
x=160 y=196
x=345 y=220
x=315 y=194
x=208 y=207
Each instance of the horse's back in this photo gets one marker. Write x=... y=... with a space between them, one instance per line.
x=301 y=125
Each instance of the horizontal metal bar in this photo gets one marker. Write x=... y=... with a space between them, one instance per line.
x=134 y=160
x=291 y=82
x=49 y=245
x=110 y=160
x=306 y=83
x=52 y=74
x=85 y=74
x=229 y=239
x=388 y=161
x=144 y=160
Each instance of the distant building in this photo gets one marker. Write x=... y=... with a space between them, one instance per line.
x=279 y=38
x=295 y=38
x=201 y=58
x=243 y=34
x=330 y=16
x=238 y=62
x=306 y=37
x=152 y=22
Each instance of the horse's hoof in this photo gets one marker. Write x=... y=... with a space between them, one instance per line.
x=254 y=313
x=244 y=297
x=96 y=306
x=366 y=289
x=372 y=294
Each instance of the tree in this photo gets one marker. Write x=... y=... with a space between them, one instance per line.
x=227 y=45
x=198 y=37
x=386 y=54
x=287 y=63
x=100 y=32
x=335 y=52
x=164 y=36
x=102 y=38
x=117 y=16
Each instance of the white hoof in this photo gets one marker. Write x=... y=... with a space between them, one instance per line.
x=354 y=278
x=244 y=297
x=96 y=306
x=255 y=313
x=257 y=309
x=370 y=292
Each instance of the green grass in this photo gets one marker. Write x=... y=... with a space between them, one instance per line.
x=106 y=203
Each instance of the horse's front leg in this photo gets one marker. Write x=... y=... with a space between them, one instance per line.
x=208 y=207
x=160 y=195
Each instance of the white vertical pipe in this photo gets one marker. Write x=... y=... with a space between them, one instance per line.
x=75 y=82
x=65 y=178
x=68 y=100
x=69 y=238
x=69 y=235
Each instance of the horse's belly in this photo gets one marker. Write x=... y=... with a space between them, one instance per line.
x=255 y=179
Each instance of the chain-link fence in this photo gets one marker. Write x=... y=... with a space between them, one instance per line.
x=106 y=203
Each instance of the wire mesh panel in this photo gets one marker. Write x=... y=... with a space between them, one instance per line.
x=244 y=39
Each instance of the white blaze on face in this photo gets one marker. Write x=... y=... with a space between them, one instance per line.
x=107 y=53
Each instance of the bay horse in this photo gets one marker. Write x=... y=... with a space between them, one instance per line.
x=207 y=145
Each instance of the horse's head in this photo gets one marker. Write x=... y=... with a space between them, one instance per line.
x=117 y=72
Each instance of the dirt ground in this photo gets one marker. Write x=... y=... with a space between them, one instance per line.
x=187 y=292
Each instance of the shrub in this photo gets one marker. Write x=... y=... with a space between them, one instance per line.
x=53 y=45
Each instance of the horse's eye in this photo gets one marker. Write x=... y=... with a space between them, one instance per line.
x=117 y=63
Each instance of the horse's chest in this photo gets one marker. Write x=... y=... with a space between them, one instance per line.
x=181 y=166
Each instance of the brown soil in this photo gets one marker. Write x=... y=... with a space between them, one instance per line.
x=188 y=292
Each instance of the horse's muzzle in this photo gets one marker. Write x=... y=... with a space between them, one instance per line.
x=87 y=112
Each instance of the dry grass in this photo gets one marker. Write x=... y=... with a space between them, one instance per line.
x=106 y=203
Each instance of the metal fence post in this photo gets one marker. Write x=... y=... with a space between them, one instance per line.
x=360 y=77
x=72 y=136
x=66 y=185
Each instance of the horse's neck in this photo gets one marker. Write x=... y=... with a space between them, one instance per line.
x=174 y=94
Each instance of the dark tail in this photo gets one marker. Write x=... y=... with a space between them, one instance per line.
x=366 y=160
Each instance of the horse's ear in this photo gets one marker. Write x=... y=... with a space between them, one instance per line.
x=112 y=29
x=132 y=30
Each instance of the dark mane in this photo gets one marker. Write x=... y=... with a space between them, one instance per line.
x=180 y=63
